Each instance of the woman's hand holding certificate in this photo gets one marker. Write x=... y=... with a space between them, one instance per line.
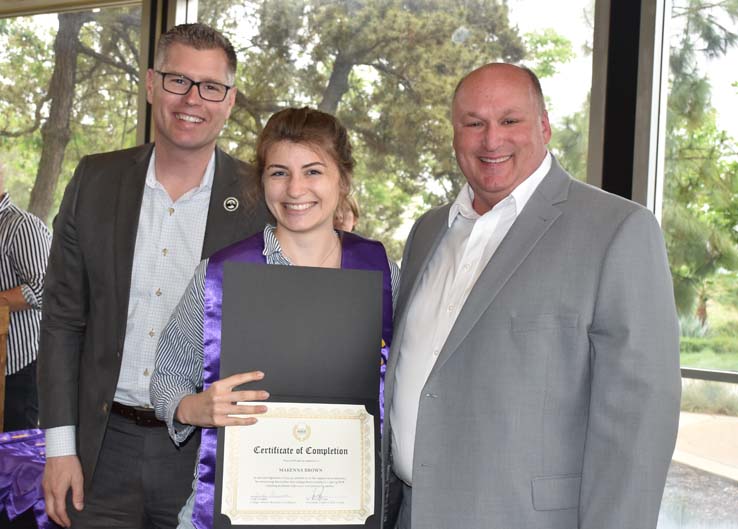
x=216 y=406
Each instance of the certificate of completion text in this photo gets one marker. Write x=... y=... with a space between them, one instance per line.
x=300 y=464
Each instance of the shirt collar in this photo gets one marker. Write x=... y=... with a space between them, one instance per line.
x=271 y=244
x=272 y=248
x=4 y=201
x=207 y=177
x=519 y=196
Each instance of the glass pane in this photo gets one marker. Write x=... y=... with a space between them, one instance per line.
x=702 y=485
x=700 y=213
x=69 y=88
x=388 y=70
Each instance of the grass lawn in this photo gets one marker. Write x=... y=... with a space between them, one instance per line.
x=711 y=360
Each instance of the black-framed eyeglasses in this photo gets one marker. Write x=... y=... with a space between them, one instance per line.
x=179 y=84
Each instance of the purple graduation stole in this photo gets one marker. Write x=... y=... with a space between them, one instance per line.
x=358 y=253
x=22 y=458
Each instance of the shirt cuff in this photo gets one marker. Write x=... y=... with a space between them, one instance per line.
x=30 y=297
x=177 y=431
x=60 y=441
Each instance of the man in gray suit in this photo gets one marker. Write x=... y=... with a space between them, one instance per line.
x=131 y=229
x=534 y=377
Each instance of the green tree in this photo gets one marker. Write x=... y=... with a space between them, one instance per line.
x=387 y=68
x=570 y=142
x=68 y=91
x=701 y=176
x=55 y=132
x=701 y=181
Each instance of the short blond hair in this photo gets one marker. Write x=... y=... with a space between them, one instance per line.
x=200 y=37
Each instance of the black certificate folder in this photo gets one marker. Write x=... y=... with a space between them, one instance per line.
x=315 y=333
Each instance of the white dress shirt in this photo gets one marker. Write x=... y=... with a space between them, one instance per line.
x=168 y=249
x=454 y=268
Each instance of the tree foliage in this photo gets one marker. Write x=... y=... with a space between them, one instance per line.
x=69 y=88
x=700 y=219
x=387 y=68
x=701 y=180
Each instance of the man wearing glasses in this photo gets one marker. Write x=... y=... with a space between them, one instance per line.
x=132 y=226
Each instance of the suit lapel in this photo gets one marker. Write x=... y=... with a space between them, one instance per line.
x=221 y=230
x=132 y=178
x=534 y=221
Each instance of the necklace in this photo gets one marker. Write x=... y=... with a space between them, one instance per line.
x=333 y=249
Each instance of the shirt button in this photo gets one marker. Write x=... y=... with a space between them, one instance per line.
x=450 y=308
x=171 y=211
x=152 y=333
x=466 y=267
x=158 y=292
x=146 y=372
x=436 y=352
x=105 y=407
x=164 y=252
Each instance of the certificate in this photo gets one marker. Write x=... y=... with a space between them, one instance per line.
x=300 y=464
x=320 y=357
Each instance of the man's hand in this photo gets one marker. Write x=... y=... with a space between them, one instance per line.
x=60 y=474
x=215 y=405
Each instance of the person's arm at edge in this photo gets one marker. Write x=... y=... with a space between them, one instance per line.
x=15 y=299
x=635 y=384
x=28 y=252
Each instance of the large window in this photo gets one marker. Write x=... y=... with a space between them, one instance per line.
x=700 y=223
x=700 y=209
x=69 y=87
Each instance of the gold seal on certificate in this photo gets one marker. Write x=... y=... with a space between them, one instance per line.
x=300 y=464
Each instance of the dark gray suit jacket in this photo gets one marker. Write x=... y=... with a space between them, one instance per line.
x=555 y=399
x=88 y=280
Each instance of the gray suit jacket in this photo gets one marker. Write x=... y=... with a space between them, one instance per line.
x=554 y=402
x=88 y=280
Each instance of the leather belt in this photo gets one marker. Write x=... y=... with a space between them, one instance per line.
x=141 y=416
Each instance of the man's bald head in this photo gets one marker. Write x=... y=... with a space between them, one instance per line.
x=535 y=83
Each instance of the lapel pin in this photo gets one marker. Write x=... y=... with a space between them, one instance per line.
x=230 y=204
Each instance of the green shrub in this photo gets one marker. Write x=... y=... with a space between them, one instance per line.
x=729 y=328
x=691 y=326
x=717 y=344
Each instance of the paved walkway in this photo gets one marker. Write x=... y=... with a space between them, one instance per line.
x=709 y=443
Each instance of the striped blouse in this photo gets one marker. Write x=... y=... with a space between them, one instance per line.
x=24 y=251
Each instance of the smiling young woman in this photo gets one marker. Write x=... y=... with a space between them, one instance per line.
x=303 y=174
